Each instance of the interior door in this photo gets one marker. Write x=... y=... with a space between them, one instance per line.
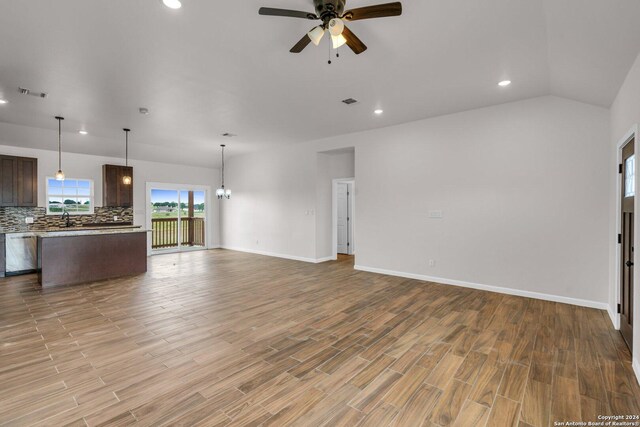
x=627 y=242
x=343 y=218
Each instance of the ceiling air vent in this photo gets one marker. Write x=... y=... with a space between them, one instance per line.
x=26 y=91
x=349 y=101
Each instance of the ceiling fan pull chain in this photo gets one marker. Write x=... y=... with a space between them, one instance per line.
x=329 y=54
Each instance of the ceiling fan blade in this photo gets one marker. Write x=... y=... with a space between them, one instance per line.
x=299 y=47
x=353 y=41
x=377 y=11
x=286 y=12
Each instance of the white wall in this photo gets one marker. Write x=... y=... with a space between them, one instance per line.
x=625 y=113
x=272 y=209
x=331 y=165
x=87 y=166
x=523 y=187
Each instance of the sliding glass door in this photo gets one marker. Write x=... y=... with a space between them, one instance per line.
x=178 y=219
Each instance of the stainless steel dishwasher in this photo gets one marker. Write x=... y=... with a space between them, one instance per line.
x=22 y=253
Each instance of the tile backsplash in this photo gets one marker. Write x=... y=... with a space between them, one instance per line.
x=13 y=219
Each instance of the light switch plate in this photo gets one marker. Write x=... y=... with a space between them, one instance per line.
x=28 y=220
x=435 y=214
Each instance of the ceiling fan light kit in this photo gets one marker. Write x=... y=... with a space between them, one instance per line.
x=316 y=35
x=336 y=26
x=333 y=16
x=338 y=41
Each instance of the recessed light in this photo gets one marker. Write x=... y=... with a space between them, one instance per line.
x=172 y=4
x=3 y=101
x=83 y=132
x=504 y=83
x=378 y=111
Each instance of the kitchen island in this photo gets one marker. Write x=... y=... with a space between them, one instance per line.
x=79 y=256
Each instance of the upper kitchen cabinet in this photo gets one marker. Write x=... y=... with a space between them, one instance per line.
x=18 y=181
x=114 y=192
x=27 y=182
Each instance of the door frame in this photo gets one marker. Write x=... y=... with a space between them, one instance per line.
x=334 y=216
x=615 y=316
x=178 y=187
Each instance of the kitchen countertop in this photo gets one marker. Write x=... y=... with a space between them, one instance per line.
x=67 y=229
x=90 y=232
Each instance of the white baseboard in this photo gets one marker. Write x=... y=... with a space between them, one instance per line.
x=636 y=368
x=500 y=290
x=276 y=255
x=615 y=317
x=325 y=259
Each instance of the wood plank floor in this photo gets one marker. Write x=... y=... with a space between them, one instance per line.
x=224 y=338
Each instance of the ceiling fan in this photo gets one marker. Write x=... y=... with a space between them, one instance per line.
x=333 y=16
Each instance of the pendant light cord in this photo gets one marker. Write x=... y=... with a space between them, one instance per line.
x=59 y=145
x=222 y=166
x=60 y=119
x=126 y=149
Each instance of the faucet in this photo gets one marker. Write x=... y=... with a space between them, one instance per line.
x=66 y=215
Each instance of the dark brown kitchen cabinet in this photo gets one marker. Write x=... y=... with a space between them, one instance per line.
x=3 y=257
x=27 y=182
x=18 y=181
x=114 y=192
x=8 y=181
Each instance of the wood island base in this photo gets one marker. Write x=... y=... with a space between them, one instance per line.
x=73 y=259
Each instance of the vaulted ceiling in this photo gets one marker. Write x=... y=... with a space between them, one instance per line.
x=217 y=66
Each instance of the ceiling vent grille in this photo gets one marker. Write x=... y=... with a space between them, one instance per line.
x=26 y=91
x=349 y=101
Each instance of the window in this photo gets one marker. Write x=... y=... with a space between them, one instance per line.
x=630 y=176
x=71 y=195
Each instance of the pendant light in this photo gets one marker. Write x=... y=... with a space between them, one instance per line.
x=221 y=192
x=59 y=174
x=126 y=179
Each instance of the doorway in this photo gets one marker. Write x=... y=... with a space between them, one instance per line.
x=626 y=240
x=177 y=218
x=344 y=227
x=343 y=196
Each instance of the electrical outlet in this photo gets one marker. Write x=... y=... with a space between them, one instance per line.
x=435 y=214
x=28 y=220
x=115 y=217
x=432 y=263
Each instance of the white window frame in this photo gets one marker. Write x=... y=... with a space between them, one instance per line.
x=91 y=196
